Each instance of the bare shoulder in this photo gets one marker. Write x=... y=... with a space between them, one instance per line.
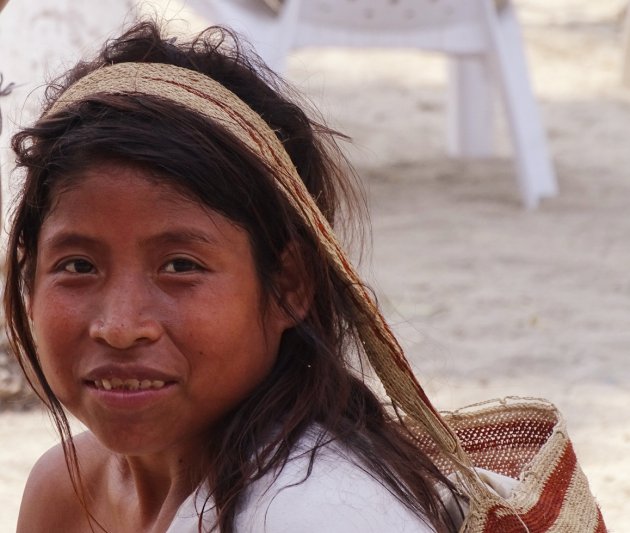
x=49 y=502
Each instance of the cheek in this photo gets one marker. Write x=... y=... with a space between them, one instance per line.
x=58 y=372
x=54 y=322
x=56 y=326
x=235 y=352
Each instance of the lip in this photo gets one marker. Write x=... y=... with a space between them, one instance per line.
x=129 y=400
x=129 y=371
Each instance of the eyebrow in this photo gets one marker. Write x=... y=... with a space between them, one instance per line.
x=181 y=236
x=69 y=240
x=173 y=237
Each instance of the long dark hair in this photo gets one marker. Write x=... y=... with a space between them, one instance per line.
x=311 y=384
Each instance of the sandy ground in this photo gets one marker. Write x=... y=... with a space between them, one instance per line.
x=490 y=300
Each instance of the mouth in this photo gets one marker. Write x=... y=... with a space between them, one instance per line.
x=118 y=384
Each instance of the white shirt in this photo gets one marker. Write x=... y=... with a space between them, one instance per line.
x=338 y=497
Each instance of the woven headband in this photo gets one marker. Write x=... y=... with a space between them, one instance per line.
x=207 y=97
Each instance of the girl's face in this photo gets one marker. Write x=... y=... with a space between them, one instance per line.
x=147 y=311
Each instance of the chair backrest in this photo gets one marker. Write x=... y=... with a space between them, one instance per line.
x=388 y=15
x=452 y=26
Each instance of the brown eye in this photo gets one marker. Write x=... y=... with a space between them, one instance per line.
x=78 y=266
x=181 y=265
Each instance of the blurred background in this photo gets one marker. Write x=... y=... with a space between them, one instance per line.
x=490 y=299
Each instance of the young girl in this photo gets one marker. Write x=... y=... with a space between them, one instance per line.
x=173 y=283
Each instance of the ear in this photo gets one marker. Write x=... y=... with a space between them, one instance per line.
x=294 y=286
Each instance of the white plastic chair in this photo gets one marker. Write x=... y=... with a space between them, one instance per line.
x=481 y=37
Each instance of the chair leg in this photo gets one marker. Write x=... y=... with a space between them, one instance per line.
x=535 y=173
x=470 y=113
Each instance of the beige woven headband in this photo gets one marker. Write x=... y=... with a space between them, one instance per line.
x=212 y=100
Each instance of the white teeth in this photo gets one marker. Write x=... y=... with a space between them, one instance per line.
x=128 y=384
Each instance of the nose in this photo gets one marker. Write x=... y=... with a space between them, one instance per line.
x=126 y=315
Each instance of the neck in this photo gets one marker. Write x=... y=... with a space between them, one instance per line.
x=152 y=488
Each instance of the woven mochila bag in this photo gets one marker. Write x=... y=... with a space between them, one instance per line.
x=523 y=439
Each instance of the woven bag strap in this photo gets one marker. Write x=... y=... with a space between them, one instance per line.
x=207 y=97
